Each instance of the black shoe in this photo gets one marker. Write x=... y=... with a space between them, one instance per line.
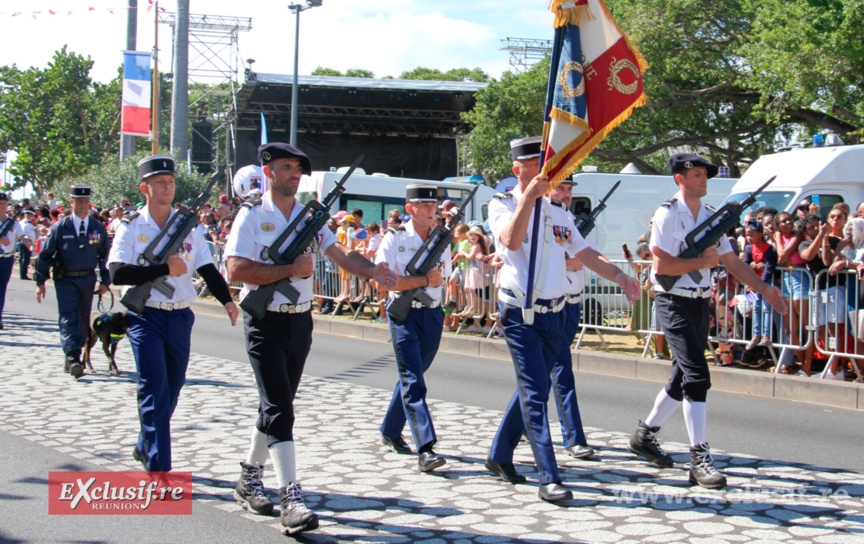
x=76 y=369
x=398 y=445
x=295 y=517
x=1 y=325
x=249 y=490
x=138 y=455
x=554 y=491
x=702 y=469
x=450 y=305
x=506 y=471
x=644 y=443
x=580 y=451
x=428 y=460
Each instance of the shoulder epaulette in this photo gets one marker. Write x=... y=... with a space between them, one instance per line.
x=502 y=196
x=669 y=202
x=556 y=203
x=252 y=202
x=128 y=217
x=711 y=208
x=400 y=228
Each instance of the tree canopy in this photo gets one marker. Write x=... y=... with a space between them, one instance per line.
x=732 y=78
x=419 y=73
x=57 y=120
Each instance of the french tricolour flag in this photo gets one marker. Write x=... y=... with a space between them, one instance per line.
x=136 y=93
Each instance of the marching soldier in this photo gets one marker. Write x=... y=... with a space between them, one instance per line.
x=11 y=232
x=535 y=345
x=416 y=339
x=76 y=246
x=279 y=343
x=161 y=333
x=682 y=313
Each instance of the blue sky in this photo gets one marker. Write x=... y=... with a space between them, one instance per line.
x=385 y=36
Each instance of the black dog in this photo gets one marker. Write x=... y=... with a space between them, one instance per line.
x=110 y=328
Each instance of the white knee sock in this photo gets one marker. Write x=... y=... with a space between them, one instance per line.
x=282 y=454
x=258 y=453
x=664 y=406
x=695 y=417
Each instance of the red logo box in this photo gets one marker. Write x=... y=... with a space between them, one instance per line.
x=120 y=493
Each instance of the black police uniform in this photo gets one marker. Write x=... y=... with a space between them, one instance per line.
x=74 y=255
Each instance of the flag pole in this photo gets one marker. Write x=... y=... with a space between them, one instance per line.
x=528 y=303
x=154 y=116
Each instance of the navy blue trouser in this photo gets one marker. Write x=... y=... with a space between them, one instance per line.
x=416 y=342
x=684 y=322
x=6 y=265
x=564 y=384
x=160 y=342
x=24 y=260
x=74 y=303
x=278 y=346
x=534 y=349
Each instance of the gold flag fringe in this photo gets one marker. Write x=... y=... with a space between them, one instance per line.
x=571 y=15
x=588 y=147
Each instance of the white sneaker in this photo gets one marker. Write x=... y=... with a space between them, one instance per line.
x=474 y=328
x=486 y=330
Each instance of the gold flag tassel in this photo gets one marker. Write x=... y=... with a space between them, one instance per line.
x=569 y=12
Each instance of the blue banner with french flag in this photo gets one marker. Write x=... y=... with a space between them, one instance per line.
x=136 y=94
x=595 y=83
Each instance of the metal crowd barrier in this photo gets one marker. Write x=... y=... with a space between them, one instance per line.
x=826 y=326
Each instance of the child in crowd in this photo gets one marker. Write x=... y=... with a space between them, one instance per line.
x=762 y=258
x=475 y=275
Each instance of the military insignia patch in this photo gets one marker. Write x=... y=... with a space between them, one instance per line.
x=268 y=227
x=143 y=238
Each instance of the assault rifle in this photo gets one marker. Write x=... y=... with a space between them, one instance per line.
x=586 y=222
x=725 y=218
x=183 y=221
x=437 y=241
x=311 y=219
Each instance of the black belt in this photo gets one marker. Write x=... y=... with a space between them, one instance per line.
x=549 y=303
x=78 y=273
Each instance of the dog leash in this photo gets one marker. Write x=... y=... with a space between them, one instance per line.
x=100 y=306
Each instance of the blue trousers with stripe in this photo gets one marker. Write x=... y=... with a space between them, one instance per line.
x=74 y=303
x=534 y=349
x=160 y=342
x=416 y=343
x=6 y=265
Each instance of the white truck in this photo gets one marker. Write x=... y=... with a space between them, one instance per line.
x=630 y=208
x=377 y=194
x=823 y=175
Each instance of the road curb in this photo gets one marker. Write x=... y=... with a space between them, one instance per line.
x=728 y=380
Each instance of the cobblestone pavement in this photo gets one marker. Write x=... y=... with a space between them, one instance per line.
x=363 y=493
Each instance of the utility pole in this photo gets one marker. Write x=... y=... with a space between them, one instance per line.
x=127 y=143
x=180 y=88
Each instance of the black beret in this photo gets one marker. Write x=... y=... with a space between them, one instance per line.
x=156 y=164
x=278 y=150
x=685 y=161
x=421 y=193
x=525 y=148
x=82 y=191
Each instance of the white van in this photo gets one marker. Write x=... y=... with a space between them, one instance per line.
x=377 y=194
x=629 y=210
x=824 y=175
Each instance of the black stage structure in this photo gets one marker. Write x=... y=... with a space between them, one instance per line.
x=406 y=128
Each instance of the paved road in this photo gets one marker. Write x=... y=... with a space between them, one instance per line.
x=49 y=422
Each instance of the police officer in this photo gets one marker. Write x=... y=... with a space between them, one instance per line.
x=416 y=339
x=682 y=313
x=76 y=246
x=536 y=343
x=279 y=343
x=27 y=216
x=161 y=333
x=11 y=233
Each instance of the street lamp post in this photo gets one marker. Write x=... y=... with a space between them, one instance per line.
x=296 y=9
